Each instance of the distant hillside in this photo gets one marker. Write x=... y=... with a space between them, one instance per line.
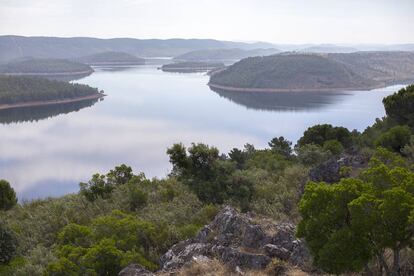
x=44 y=67
x=328 y=49
x=191 y=66
x=31 y=91
x=112 y=58
x=289 y=72
x=12 y=47
x=387 y=67
x=224 y=54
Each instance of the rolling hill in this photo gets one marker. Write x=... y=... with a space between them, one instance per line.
x=44 y=67
x=112 y=58
x=289 y=72
x=224 y=54
x=12 y=47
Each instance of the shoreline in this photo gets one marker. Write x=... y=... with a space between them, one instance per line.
x=287 y=90
x=49 y=74
x=51 y=102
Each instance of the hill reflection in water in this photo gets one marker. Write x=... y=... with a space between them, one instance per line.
x=37 y=113
x=284 y=101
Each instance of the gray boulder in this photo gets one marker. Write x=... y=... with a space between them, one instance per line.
x=135 y=270
x=240 y=240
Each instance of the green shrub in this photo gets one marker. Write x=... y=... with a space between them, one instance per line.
x=8 y=244
x=7 y=196
x=400 y=106
x=319 y=134
x=334 y=146
x=394 y=139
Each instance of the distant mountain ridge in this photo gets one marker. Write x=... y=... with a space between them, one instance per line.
x=13 y=47
x=111 y=58
x=224 y=54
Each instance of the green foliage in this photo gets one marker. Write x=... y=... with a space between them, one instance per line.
x=281 y=146
x=7 y=196
x=408 y=150
x=8 y=244
x=350 y=223
x=319 y=134
x=120 y=175
x=202 y=170
x=15 y=89
x=395 y=138
x=96 y=187
x=312 y=155
x=333 y=146
x=289 y=71
x=400 y=106
x=44 y=66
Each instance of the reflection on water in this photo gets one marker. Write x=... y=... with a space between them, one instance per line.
x=36 y=113
x=281 y=101
x=145 y=112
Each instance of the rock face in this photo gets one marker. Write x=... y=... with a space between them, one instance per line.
x=240 y=241
x=329 y=171
x=135 y=270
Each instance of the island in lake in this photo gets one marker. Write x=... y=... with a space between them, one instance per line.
x=112 y=58
x=23 y=91
x=300 y=72
x=188 y=67
x=224 y=55
x=46 y=68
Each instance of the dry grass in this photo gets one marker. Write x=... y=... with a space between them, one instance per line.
x=217 y=268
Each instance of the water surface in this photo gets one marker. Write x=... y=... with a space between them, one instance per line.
x=48 y=152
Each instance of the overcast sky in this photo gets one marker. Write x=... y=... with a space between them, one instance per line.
x=277 y=21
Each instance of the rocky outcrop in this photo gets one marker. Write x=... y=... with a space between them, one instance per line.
x=240 y=241
x=330 y=171
x=135 y=270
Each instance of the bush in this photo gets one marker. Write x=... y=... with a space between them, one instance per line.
x=312 y=155
x=319 y=134
x=334 y=146
x=96 y=187
x=395 y=138
x=8 y=244
x=400 y=106
x=281 y=146
x=7 y=196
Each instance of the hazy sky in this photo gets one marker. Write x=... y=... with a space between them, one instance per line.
x=287 y=21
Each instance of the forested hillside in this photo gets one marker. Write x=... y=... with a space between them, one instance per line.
x=348 y=195
x=44 y=66
x=112 y=58
x=224 y=54
x=15 y=90
x=290 y=72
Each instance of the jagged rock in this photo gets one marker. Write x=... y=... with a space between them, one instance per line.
x=328 y=171
x=233 y=257
x=277 y=251
x=254 y=237
x=238 y=240
x=135 y=270
x=183 y=253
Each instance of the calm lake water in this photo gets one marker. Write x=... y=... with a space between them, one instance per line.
x=48 y=151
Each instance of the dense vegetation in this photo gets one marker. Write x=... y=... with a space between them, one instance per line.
x=363 y=221
x=290 y=72
x=112 y=58
x=15 y=90
x=44 y=66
